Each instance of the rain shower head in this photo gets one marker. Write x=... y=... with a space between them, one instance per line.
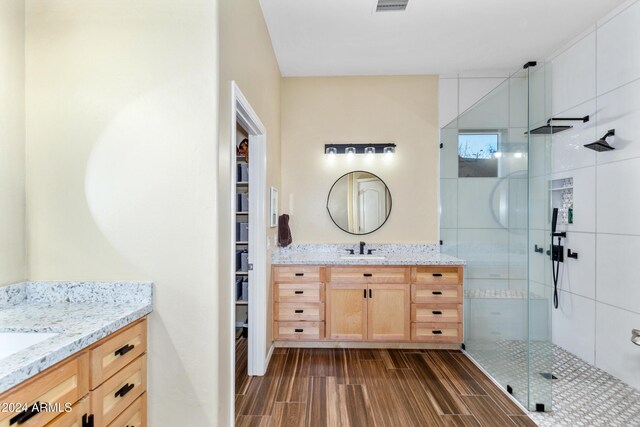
x=602 y=144
x=549 y=129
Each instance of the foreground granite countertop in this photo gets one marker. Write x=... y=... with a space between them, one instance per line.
x=335 y=254
x=82 y=313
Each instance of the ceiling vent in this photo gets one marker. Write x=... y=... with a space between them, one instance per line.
x=388 y=5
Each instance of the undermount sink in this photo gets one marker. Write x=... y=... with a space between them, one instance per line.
x=363 y=257
x=13 y=342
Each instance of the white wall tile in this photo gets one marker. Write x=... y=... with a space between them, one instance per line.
x=486 y=284
x=618 y=199
x=539 y=207
x=540 y=264
x=449 y=237
x=447 y=101
x=620 y=110
x=491 y=112
x=449 y=203
x=615 y=353
x=573 y=325
x=518 y=102
x=449 y=153
x=574 y=75
x=518 y=256
x=578 y=276
x=473 y=90
x=617 y=274
x=567 y=147
x=486 y=253
x=584 y=199
x=476 y=207
x=619 y=50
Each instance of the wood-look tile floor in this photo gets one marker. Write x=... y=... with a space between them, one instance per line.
x=349 y=387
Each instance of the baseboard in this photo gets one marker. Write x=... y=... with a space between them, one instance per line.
x=342 y=344
x=268 y=359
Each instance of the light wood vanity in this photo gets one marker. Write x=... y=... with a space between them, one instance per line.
x=384 y=304
x=105 y=384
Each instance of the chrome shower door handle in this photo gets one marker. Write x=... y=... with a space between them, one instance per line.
x=635 y=336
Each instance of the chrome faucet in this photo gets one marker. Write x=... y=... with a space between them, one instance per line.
x=362 y=248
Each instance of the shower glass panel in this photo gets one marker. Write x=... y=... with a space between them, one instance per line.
x=494 y=206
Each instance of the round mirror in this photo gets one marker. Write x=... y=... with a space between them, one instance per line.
x=359 y=202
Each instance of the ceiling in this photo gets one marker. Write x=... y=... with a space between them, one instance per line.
x=346 y=37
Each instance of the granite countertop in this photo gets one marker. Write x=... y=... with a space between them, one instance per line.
x=334 y=254
x=81 y=313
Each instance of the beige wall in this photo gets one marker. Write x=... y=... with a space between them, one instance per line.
x=12 y=229
x=403 y=110
x=121 y=172
x=246 y=56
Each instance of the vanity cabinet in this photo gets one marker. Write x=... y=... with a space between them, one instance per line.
x=372 y=304
x=105 y=386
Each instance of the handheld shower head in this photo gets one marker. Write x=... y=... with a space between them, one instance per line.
x=602 y=144
x=554 y=220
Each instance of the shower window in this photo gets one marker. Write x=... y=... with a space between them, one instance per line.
x=478 y=154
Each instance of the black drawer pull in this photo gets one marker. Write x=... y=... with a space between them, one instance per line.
x=124 y=390
x=436 y=312
x=299 y=292
x=437 y=274
x=27 y=414
x=124 y=350
x=367 y=274
x=299 y=274
x=436 y=293
x=365 y=292
x=299 y=311
x=299 y=330
x=436 y=332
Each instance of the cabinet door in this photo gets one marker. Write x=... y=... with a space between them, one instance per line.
x=389 y=310
x=346 y=317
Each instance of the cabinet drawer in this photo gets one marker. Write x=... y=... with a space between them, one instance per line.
x=119 y=392
x=368 y=275
x=308 y=311
x=117 y=351
x=300 y=330
x=448 y=313
x=74 y=418
x=437 y=275
x=299 y=292
x=436 y=294
x=134 y=416
x=437 y=332
x=297 y=274
x=61 y=384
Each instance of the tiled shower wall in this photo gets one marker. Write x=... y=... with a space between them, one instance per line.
x=598 y=74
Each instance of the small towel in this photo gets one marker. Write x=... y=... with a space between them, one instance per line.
x=284 y=232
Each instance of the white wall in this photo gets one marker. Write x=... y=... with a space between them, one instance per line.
x=599 y=74
x=122 y=170
x=12 y=169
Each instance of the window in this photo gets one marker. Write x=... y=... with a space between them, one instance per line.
x=478 y=154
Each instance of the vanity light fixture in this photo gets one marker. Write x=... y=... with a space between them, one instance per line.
x=352 y=149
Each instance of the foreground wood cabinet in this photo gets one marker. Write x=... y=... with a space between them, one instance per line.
x=102 y=386
x=368 y=303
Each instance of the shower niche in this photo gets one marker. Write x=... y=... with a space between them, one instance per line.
x=562 y=198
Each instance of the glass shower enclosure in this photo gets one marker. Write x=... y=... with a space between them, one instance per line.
x=494 y=203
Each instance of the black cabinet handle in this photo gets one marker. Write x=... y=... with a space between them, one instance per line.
x=124 y=350
x=299 y=311
x=436 y=332
x=299 y=274
x=298 y=292
x=299 y=330
x=370 y=294
x=436 y=293
x=365 y=293
x=124 y=390
x=436 y=312
x=437 y=274
x=87 y=420
x=27 y=414
x=367 y=274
